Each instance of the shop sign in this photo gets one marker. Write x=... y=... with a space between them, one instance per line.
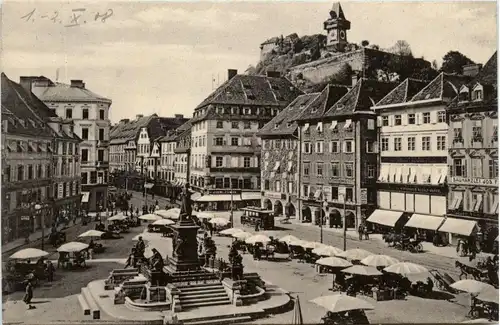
x=273 y=195
x=364 y=196
x=25 y=218
x=474 y=181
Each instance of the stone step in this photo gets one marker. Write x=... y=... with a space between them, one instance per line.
x=94 y=309
x=201 y=291
x=200 y=286
x=204 y=294
x=205 y=303
x=204 y=299
x=219 y=320
x=84 y=305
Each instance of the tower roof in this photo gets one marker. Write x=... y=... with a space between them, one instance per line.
x=337 y=9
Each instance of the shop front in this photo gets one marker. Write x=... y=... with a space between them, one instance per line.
x=426 y=227
x=384 y=221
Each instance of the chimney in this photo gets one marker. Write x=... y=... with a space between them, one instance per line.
x=77 y=84
x=138 y=116
x=273 y=74
x=471 y=70
x=124 y=120
x=231 y=73
x=26 y=83
x=179 y=116
x=354 y=79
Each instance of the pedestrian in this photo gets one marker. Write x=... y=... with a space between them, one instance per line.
x=28 y=295
x=365 y=231
x=360 y=232
x=50 y=269
x=90 y=252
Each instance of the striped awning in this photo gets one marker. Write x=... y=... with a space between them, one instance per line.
x=85 y=197
x=458 y=226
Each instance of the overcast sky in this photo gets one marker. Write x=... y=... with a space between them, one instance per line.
x=160 y=58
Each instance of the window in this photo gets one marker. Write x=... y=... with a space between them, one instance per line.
x=85 y=113
x=319 y=169
x=277 y=186
x=349 y=169
x=370 y=146
x=477 y=202
x=411 y=143
x=219 y=182
x=235 y=125
x=411 y=119
x=101 y=114
x=234 y=141
x=219 y=141
x=307 y=147
x=219 y=125
x=477 y=94
x=319 y=147
x=6 y=174
x=85 y=155
x=493 y=168
x=69 y=113
x=349 y=194
x=441 y=142
x=30 y=171
x=371 y=124
x=100 y=155
x=218 y=161
x=84 y=178
x=426 y=118
x=441 y=116
x=477 y=131
x=397 y=119
x=370 y=171
x=494 y=136
x=457 y=134
x=85 y=133
x=246 y=162
x=306 y=169
x=335 y=193
x=426 y=143
x=335 y=146
x=266 y=185
x=397 y=144
x=459 y=167
x=246 y=125
x=39 y=171
x=348 y=146
x=305 y=190
x=384 y=144
x=477 y=167
x=335 y=169
x=385 y=120
x=93 y=177
x=101 y=134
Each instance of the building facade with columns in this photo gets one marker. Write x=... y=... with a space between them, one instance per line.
x=225 y=148
x=182 y=158
x=338 y=139
x=279 y=159
x=473 y=158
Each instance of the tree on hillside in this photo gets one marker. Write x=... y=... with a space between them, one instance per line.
x=453 y=62
x=343 y=76
x=365 y=43
x=251 y=70
x=401 y=48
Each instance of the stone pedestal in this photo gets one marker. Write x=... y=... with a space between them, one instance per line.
x=185 y=247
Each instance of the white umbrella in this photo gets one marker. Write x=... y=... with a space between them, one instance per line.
x=92 y=233
x=258 y=239
x=230 y=231
x=355 y=254
x=72 y=247
x=150 y=217
x=310 y=244
x=327 y=251
x=289 y=239
x=144 y=237
x=242 y=235
x=406 y=268
x=28 y=253
x=333 y=262
x=379 y=260
x=472 y=286
x=205 y=215
x=118 y=217
x=163 y=222
x=219 y=221
x=489 y=295
x=169 y=214
x=362 y=270
x=341 y=302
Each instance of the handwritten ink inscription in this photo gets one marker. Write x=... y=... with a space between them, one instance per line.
x=77 y=17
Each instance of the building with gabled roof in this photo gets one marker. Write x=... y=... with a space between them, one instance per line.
x=473 y=158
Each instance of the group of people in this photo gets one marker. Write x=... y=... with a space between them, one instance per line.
x=363 y=231
x=347 y=317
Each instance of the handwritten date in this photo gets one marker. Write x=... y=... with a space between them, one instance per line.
x=77 y=17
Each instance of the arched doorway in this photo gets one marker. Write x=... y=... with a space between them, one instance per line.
x=267 y=204
x=290 y=209
x=320 y=217
x=278 y=208
x=306 y=214
x=350 y=219
x=335 y=219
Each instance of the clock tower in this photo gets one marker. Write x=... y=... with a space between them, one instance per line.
x=336 y=27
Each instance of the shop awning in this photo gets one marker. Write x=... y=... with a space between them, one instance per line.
x=85 y=197
x=425 y=221
x=317 y=194
x=247 y=196
x=195 y=196
x=385 y=217
x=290 y=165
x=384 y=172
x=319 y=127
x=494 y=207
x=306 y=127
x=276 y=166
x=333 y=125
x=347 y=124
x=458 y=226
x=218 y=198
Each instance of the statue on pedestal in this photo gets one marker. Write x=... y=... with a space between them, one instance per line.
x=186 y=203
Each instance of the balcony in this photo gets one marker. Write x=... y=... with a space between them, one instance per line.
x=255 y=170
x=102 y=164
x=103 y=143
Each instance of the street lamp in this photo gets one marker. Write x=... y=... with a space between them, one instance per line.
x=321 y=217
x=38 y=209
x=344 y=222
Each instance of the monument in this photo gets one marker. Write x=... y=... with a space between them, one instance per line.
x=184 y=242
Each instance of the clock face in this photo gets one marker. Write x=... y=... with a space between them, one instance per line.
x=342 y=35
x=333 y=35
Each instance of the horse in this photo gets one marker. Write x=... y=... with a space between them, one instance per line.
x=466 y=270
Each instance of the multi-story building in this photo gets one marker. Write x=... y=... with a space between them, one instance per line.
x=31 y=137
x=338 y=158
x=279 y=159
x=413 y=134
x=225 y=151
x=90 y=115
x=182 y=158
x=473 y=158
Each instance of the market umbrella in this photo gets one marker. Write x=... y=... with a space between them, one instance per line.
x=205 y=215
x=143 y=235
x=242 y=235
x=288 y=239
x=219 y=221
x=150 y=217
x=92 y=233
x=257 y=239
x=379 y=260
x=472 y=286
x=72 y=247
x=341 y=302
x=230 y=231
x=297 y=313
x=327 y=251
x=28 y=253
x=362 y=270
x=355 y=254
x=118 y=217
x=310 y=244
x=333 y=262
x=406 y=268
x=163 y=222
x=169 y=214
x=489 y=295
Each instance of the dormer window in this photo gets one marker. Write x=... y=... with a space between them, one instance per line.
x=464 y=94
x=276 y=125
x=477 y=93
